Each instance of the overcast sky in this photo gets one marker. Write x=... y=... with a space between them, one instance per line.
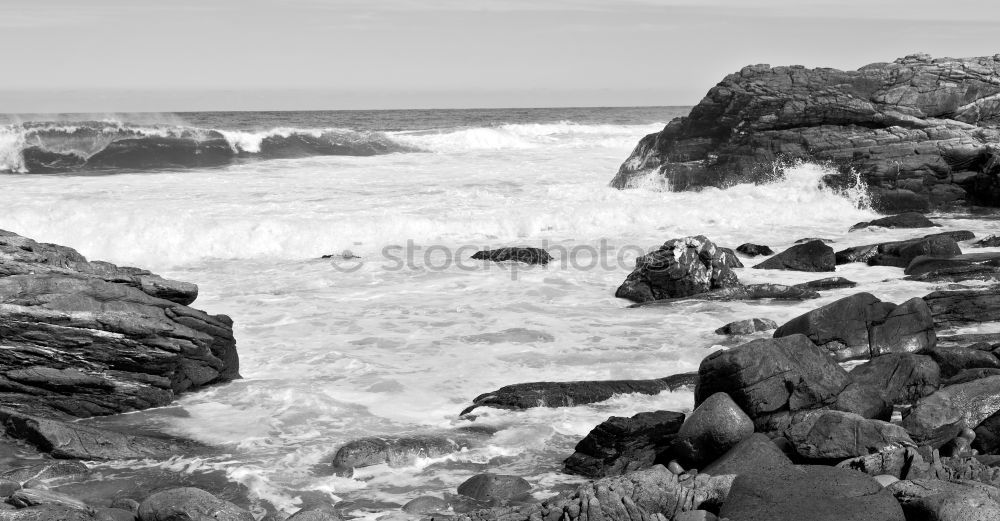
x=142 y=55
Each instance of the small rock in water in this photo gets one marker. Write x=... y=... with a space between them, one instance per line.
x=990 y=241
x=494 y=487
x=827 y=283
x=346 y=255
x=903 y=220
x=519 y=254
x=753 y=250
x=809 y=256
x=748 y=326
x=426 y=505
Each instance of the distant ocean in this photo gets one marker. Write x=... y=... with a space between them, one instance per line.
x=398 y=331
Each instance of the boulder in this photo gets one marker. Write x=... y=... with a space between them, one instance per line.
x=756 y=453
x=953 y=360
x=865 y=401
x=968 y=375
x=46 y=513
x=945 y=501
x=517 y=254
x=753 y=250
x=189 y=504
x=771 y=378
x=970 y=266
x=902 y=377
x=494 y=487
x=827 y=284
x=963 y=307
x=901 y=253
x=938 y=418
x=87 y=339
x=747 y=327
x=861 y=327
x=902 y=220
x=990 y=241
x=809 y=256
x=569 y=394
x=714 y=427
x=680 y=268
x=816 y=493
x=987 y=440
x=920 y=132
x=836 y=435
x=395 y=451
x=424 y=505
x=620 y=445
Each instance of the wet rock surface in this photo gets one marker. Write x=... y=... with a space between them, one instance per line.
x=680 y=268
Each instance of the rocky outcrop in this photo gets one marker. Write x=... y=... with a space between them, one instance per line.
x=808 y=256
x=747 y=327
x=956 y=268
x=837 y=435
x=753 y=250
x=903 y=220
x=862 y=327
x=921 y=132
x=966 y=306
x=757 y=453
x=568 y=394
x=620 y=445
x=517 y=254
x=494 y=487
x=680 y=268
x=938 y=418
x=901 y=253
x=902 y=377
x=714 y=427
x=89 y=338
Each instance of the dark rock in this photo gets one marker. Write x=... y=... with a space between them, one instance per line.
x=810 y=256
x=189 y=504
x=113 y=514
x=30 y=497
x=315 y=514
x=865 y=401
x=518 y=254
x=569 y=394
x=836 y=435
x=953 y=360
x=397 y=451
x=619 y=445
x=45 y=513
x=753 y=250
x=901 y=253
x=827 y=283
x=426 y=505
x=988 y=435
x=938 y=418
x=125 y=503
x=747 y=327
x=746 y=292
x=816 y=493
x=680 y=268
x=80 y=342
x=968 y=375
x=771 y=378
x=861 y=326
x=49 y=471
x=811 y=239
x=8 y=487
x=921 y=132
x=940 y=500
x=902 y=220
x=963 y=307
x=494 y=487
x=970 y=266
x=902 y=377
x=990 y=241
x=756 y=453
x=69 y=440
x=714 y=427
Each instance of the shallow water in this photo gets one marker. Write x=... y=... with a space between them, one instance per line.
x=393 y=342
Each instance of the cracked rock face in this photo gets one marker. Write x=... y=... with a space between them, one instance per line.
x=921 y=132
x=81 y=339
x=681 y=268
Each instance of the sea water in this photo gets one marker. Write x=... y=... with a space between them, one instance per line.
x=398 y=331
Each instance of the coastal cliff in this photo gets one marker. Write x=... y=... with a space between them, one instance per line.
x=921 y=132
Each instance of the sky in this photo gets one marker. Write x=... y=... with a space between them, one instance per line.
x=142 y=55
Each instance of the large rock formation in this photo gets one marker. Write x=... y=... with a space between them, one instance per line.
x=920 y=131
x=86 y=338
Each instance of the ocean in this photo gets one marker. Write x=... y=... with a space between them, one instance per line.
x=398 y=331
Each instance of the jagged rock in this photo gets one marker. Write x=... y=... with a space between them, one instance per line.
x=902 y=220
x=518 y=254
x=753 y=250
x=809 y=256
x=569 y=394
x=962 y=307
x=189 y=504
x=921 y=132
x=494 y=487
x=945 y=501
x=621 y=445
x=46 y=513
x=990 y=241
x=30 y=497
x=747 y=327
x=772 y=377
x=756 y=453
x=827 y=283
x=79 y=345
x=645 y=495
x=861 y=326
x=828 y=435
x=395 y=451
x=938 y=418
x=680 y=268
x=970 y=266
x=716 y=425
x=816 y=493
x=75 y=441
x=902 y=377
x=901 y=253
x=47 y=472
x=953 y=360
